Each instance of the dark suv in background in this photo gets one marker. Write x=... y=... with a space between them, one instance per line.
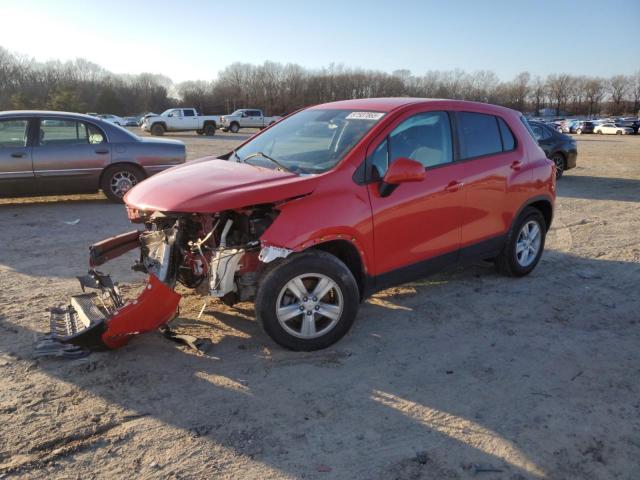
x=558 y=147
x=582 y=127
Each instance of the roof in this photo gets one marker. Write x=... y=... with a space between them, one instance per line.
x=48 y=113
x=389 y=104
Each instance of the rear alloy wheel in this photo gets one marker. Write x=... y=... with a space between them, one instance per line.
x=118 y=180
x=618 y=132
x=559 y=161
x=157 y=129
x=524 y=245
x=234 y=128
x=308 y=302
x=210 y=130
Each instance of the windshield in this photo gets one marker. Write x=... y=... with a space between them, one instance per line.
x=311 y=141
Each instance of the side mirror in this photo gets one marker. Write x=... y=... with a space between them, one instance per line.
x=401 y=170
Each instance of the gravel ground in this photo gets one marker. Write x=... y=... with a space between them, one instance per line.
x=462 y=374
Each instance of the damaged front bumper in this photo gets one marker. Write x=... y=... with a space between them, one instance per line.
x=99 y=318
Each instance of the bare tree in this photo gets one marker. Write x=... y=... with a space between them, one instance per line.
x=618 y=85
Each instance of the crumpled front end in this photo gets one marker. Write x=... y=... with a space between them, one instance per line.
x=218 y=255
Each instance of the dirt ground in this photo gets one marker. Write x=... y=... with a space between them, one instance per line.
x=466 y=374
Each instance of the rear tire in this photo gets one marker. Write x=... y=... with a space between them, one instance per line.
x=290 y=313
x=200 y=132
x=522 y=239
x=157 y=129
x=117 y=180
x=209 y=130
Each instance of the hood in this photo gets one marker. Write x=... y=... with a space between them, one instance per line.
x=211 y=185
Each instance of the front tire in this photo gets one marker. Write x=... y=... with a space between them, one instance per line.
x=524 y=245
x=307 y=302
x=234 y=128
x=117 y=180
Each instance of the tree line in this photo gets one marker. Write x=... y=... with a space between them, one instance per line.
x=83 y=86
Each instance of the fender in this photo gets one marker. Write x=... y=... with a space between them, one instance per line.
x=350 y=220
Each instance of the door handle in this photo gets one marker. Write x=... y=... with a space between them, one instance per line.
x=18 y=154
x=454 y=186
x=516 y=165
x=102 y=151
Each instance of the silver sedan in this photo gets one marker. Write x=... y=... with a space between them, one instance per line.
x=48 y=153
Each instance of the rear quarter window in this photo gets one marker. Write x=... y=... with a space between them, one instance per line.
x=478 y=134
x=508 y=140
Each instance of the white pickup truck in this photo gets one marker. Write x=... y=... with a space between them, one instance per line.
x=246 y=118
x=181 y=120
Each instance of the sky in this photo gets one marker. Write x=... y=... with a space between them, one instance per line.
x=190 y=40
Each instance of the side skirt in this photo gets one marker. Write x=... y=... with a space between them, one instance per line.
x=480 y=251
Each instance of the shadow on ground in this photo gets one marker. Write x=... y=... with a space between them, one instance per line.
x=462 y=369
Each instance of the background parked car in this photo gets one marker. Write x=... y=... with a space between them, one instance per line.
x=558 y=147
x=181 y=120
x=131 y=122
x=580 y=127
x=246 y=118
x=612 y=129
x=43 y=153
x=107 y=117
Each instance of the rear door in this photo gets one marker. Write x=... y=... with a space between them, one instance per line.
x=417 y=226
x=254 y=118
x=493 y=162
x=190 y=119
x=69 y=155
x=16 y=170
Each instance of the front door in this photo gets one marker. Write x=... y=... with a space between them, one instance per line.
x=16 y=170
x=69 y=156
x=417 y=226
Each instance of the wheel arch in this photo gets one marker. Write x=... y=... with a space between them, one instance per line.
x=348 y=254
x=543 y=204
x=209 y=122
x=111 y=166
x=153 y=124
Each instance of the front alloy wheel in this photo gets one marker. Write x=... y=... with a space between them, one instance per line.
x=307 y=301
x=309 y=306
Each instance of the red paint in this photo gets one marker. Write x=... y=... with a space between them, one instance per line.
x=453 y=206
x=153 y=308
x=404 y=170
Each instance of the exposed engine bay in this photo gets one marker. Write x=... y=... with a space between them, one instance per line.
x=218 y=255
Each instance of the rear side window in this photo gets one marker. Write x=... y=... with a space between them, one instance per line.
x=188 y=113
x=508 y=142
x=479 y=135
x=62 y=132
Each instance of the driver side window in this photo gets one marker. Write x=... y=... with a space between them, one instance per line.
x=425 y=137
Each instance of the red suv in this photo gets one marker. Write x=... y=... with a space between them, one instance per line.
x=329 y=205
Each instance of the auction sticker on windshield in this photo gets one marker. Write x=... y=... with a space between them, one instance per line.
x=364 y=116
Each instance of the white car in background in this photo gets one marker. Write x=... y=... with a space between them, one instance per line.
x=116 y=120
x=611 y=129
